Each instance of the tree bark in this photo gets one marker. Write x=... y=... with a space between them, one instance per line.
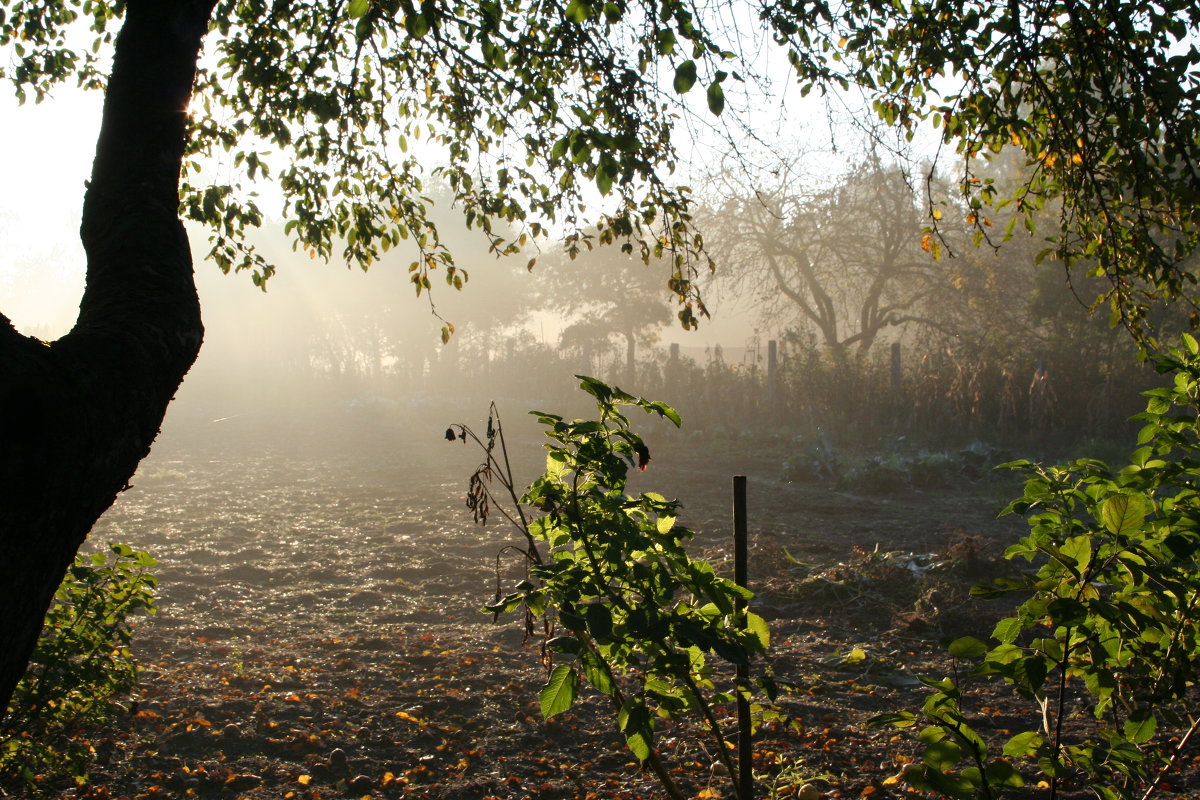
x=77 y=415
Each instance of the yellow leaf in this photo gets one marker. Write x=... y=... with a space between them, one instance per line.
x=304 y=780
x=937 y=213
x=708 y=793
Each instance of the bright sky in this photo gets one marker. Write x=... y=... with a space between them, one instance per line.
x=45 y=157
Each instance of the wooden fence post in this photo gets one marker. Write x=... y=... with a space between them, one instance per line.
x=674 y=367
x=740 y=576
x=897 y=375
x=772 y=379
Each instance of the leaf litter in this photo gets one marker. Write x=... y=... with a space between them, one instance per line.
x=319 y=633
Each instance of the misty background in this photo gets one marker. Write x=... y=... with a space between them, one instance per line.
x=827 y=255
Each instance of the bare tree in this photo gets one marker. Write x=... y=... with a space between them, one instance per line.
x=845 y=258
x=605 y=293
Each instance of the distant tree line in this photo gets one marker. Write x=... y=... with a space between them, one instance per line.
x=991 y=343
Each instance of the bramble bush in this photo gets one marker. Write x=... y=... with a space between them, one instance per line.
x=79 y=671
x=1109 y=624
x=622 y=605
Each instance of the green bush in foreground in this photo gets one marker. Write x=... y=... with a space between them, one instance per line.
x=624 y=608
x=80 y=668
x=1110 y=625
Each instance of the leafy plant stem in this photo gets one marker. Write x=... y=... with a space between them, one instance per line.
x=1113 y=606
x=1176 y=640
x=714 y=729
x=82 y=668
x=593 y=563
x=1059 y=713
x=978 y=755
x=503 y=472
x=660 y=772
x=653 y=759
x=1173 y=759
x=632 y=613
x=510 y=486
x=617 y=699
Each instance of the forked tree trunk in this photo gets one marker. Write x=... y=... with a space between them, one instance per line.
x=77 y=416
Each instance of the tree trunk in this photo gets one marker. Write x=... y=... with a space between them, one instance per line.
x=77 y=416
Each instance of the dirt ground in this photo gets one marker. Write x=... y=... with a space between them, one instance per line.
x=319 y=633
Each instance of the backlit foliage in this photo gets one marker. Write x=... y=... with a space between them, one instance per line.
x=531 y=111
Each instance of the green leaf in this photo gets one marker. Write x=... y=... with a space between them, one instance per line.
x=758 y=626
x=577 y=11
x=1123 y=513
x=597 y=673
x=942 y=755
x=596 y=388
x=599 y=622
x=1158 y=405
x=665 y=42
x=899 y=719
x=1079 y=550
x=556 y=463
x=716 y=99
x=560 y=690
x=358 y=8
x=1030 y=673
x=967 y=647
x=1140 y=726
x=1001 y=773
x=564 y=644
x=1023 y=745
x=666 y=411
x=635 y=722
x=685 y=76
x=1067 y=611
x=417 y=25
x=1007 y=630
x=604 y=179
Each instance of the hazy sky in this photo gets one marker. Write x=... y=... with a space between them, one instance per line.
x=45 y=157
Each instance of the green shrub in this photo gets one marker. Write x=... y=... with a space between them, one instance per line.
x=624 y=608
x=79 y=671
x=1109 y=624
